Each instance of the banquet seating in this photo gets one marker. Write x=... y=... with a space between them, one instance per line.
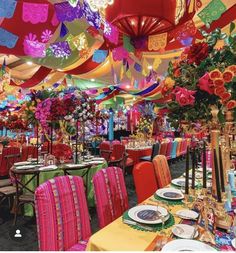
x=105 y=150
x=178 y=148
x=9 y=156
x=14 y=144
x=162 y=171
x=110 y=194
x=155 y=151
x=62 y=214
x=28 y=151
x=163 y=148
x=183 y=147
x=144 y=180
x=174 y=149
x=115 y=142
x=168 y=150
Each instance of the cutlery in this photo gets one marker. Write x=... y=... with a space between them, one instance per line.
x=130 y=222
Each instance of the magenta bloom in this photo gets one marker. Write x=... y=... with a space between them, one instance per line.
x=184 y=96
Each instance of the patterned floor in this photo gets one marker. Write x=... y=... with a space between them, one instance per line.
x=28 y=225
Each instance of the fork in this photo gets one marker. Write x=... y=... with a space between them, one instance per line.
x=135 y=223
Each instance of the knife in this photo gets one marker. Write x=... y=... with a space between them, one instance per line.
x=130 y=222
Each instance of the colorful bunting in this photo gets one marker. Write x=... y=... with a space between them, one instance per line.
x=156 y=63
x=46 y=35
x=100 y=56
x=212 y=11
x=80 y=42
x=35 y=12
x=111 y=33
x=65 y=12
x=185 y=30
x=127 y=43
x=7 y=39
x=7 y=8
x=35 y=49
x=119 y=53
x=60 y=49
x=73 y=3
x=121 y=72
x=137 y=67
x=93 y=17
x=157 y=42
x=64 y=30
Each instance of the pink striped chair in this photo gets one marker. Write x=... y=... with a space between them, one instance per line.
x=110 y=194
x=62 y=215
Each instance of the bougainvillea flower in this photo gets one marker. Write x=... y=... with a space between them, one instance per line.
x=215 y=74
x=231 y=104
x=228 y=76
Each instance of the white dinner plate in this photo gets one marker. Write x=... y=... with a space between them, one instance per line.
x=184 y=231
x=25 y=167
x=50 y=167
x=148 y=214
x=170 y=193
x=22 y=163
x=72 y=165
x=179 y=182
x=198 y=175
x=187 y=245
x=96 y=162
x=233 y=242
x=187 y=214
x=98 y=159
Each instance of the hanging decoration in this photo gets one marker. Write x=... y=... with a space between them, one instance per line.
x=185 y=30
x=7 y=39
x=111 y=33
x=157 y=42
x=93 y=17
x=64 y=30
x=212 y=11
x=119 y=53
x=73 y=3
x=66 y=12
x=60 y=49
x=35 y=12
x=127 y=43
x=96 y=5
x=7 y=8
x=35 y=49
x=100 y=55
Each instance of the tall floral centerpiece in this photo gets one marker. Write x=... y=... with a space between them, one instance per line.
x=203 y=80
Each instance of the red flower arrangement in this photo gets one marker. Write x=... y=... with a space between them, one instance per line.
x=62 y=150
x=197 y=52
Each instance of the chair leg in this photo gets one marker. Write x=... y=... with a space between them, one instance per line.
x=16 y=212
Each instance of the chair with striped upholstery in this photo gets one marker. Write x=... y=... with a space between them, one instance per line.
x=163 y=148
x=162 y=171
x=168 y=150
x=110 y=194
x=62 y=214
x=144 y=180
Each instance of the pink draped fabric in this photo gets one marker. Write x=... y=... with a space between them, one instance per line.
x=62 y=214
x=4 y=169
x=110 y=194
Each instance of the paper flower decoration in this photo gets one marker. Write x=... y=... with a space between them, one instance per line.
x=61 y=49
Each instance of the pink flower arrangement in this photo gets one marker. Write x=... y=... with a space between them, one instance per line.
x=184 y=96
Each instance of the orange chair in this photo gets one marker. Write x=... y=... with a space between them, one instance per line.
x=144 y=180
x=178 y=149
x=162 y=171
x=163 y=148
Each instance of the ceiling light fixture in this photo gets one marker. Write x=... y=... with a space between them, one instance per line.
x=92 y=79
x=149 y=67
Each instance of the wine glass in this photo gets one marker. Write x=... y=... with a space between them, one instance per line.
x=62 y=159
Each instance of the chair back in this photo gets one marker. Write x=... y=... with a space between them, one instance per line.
x=32 y=151
x=168 y=150
x=163 y=148
x=110 y=194
x=162 y=171
x=184 y=147
x=144 y=180
x=104 y=147
x=24 y=153
x=118 y=151
x=174 y=149
x=155 y=150
x=178 y=148
x=62 y=213
x=7 y=162
x=115 y=142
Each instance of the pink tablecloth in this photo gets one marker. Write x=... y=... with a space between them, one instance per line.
x=136 y=154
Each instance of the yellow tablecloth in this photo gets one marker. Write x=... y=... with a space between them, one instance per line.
x=121 y=237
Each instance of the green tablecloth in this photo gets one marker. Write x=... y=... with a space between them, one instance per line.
x=46 y=175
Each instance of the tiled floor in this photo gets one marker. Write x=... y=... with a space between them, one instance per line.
x=28 y=225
